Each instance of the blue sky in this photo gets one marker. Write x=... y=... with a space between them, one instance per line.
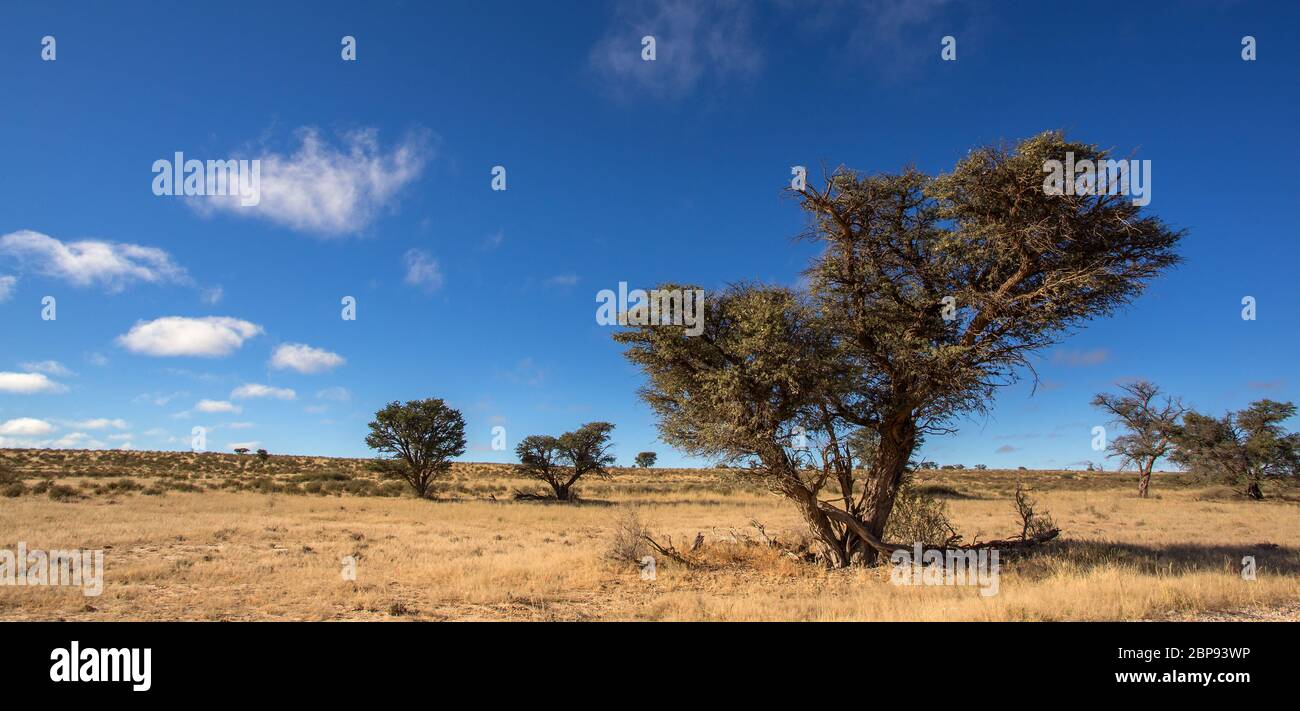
x=617 y=170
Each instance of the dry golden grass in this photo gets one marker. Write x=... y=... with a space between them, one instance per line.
x=215 y=554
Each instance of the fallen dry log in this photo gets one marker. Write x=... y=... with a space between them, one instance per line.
x=856 y=526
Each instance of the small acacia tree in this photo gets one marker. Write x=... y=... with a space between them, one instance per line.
x=539 y=457
x=1150 y=422
x=646 y=459
x=420 y=438
x=1243 y=449
x=241 y=451
x=927 y=294
x=562 y=461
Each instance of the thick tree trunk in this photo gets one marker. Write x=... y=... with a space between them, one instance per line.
x=562 y=491
x=820 y=525
x=897 y=439
x=1254 y=492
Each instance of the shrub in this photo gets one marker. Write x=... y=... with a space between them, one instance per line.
x=628 y=545
x=918 y=516
x=61 y=492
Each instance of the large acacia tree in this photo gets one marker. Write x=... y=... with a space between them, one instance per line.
x=928 y=294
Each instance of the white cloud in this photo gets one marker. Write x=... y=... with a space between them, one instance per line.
x=562 y=280
x=337 y=394
x=159 y=399
x=327 y=189
x=112 y=265
x=217 y=406
x=252 y=390
x=76 y=440
x=96 y=359
x=7 y=284
x=207 y=337
x=49 y=367
x=212 y=296
x=28 y=384
x=304 y=359
x=238 y=425
x=232 y=446
x=99 y=423
x=422 y=270
x=695 y=41
x=26 y=427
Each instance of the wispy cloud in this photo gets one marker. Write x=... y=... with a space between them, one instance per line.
x=49 y=367
x=525 y=372
x=212 y=296
x=328 y=189
x=337 y=393
x=112 y=265
x=562 y=280
x=99 y=423
x=422 y=270
x=7 y=285
x=696 y=42
x=214 y=406
x=257 y=390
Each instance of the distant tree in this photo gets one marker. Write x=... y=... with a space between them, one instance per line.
x=562 y=461
x=926 y=294
x=981 y=467
x=1150 y=422
x=263 y=455
x=646 y=459
x=1243 y=449
x=929 y=465
x=420 y=438
x=863 y=444
x=541 y=459
x=241 y=450
x=586 y=451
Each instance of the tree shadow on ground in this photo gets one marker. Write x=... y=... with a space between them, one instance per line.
x=1173 y=559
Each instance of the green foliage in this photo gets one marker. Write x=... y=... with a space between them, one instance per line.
x=562 y=461
x=927 y=293
x=1242 y=449
x=420 y=438
x=646 y=459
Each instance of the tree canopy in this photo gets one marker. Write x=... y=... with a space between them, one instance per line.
x=928 y=293
x=420 y=438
